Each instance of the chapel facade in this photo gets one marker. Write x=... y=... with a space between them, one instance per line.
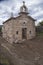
x=19 y=28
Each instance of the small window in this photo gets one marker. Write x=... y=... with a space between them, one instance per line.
x=23 y=22
x=16 y=32
x=30 y=32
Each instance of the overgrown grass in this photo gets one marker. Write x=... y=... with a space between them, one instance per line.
x=3 y=60
x=39 y=33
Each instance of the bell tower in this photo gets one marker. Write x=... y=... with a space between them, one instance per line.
x=23 y=8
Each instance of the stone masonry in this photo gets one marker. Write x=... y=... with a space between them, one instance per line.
x=19 y=28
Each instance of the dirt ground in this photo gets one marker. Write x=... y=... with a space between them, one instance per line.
x=29 y=52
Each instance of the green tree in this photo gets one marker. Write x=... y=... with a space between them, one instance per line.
x=41 y=23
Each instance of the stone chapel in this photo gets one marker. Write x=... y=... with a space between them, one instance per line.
x=22 y=27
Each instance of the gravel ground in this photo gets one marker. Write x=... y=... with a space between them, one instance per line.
x=29 y=52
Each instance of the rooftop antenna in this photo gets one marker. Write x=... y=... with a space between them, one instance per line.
x=12 y=11
x=11 y=14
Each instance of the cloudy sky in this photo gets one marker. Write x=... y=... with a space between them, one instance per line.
x=35 y=8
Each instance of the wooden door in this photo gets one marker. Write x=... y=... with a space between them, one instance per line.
x=24 y=33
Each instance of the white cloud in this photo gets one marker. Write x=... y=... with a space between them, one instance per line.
x=37 y=9
x=14 y=5
x=40 y=20
x=33 y=2
x=37 y=22
x=38 y=13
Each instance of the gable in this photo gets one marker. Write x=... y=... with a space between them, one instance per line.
x=9 y=20
x=31 y=18
x=20 y=17
x=23 y=16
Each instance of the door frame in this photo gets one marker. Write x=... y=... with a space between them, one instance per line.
x=24 y=33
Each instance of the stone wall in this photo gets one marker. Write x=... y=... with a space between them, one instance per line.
x=7 y=31
x=12 y=30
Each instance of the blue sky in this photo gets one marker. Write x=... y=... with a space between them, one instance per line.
x=35 y=8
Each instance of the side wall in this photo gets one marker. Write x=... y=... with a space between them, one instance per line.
x=7 y=31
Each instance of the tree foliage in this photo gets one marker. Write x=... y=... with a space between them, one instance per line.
x=41 y=23
x=0 y=28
